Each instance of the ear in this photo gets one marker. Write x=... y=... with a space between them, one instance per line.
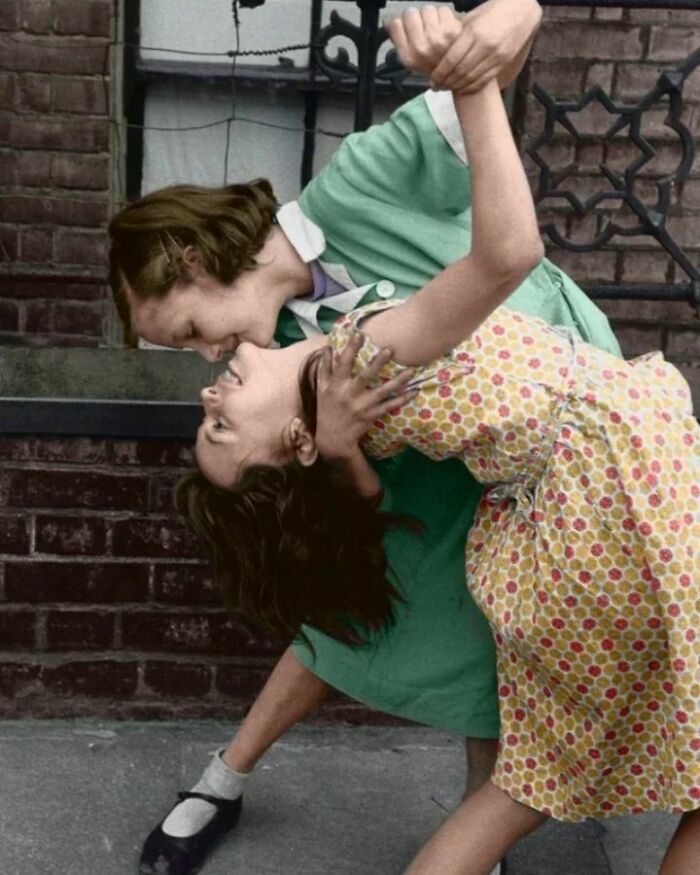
x=191 y=257
x=302 y=442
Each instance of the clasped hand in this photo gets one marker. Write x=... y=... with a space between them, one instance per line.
x=348 y=405
x=463 y=52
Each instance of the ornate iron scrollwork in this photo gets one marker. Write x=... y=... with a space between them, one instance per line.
x=340 y=68
x=651 y=220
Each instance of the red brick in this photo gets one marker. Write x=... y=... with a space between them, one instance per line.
x=152 y=453
x=35 y=244
x=573 y=40
x=87 y=451
x=90 y=135
x=43 y=287
x=691 y=372
x=8 y=166
x=81 y=247
x=162 y=490
x=79 y=630
x=34 y=168
x=144 y=536
x=635 y=80
x=59 y=211
x=90 y=17
x=17 y=629
x=78 y=319
x=101 y=678
x=70 y=536
x=191 y=632
x=96 y=583
x=19 y=679
x=168 y=678
x=14 y=536
x=561 y=79
x=80 y=96
x=185 y=585
x=63 y=56
x=36 y=16
x=587 y=266
x=80 y=171
x=9 y=316
x=690 y=197
x=605 y=14
x=673 y=43
x=166 y=632
x=649 y=267
x=32 y=93
x=601 y=75
x=66 y=489
x=677 y=312
x=7 y=91
x=240 y=681
x=684 y=345
x=637 y=341
x=647 y=16
x=665 y=161
x=685 y=230
x=38 y=317
x=565 y=13
x=9 y=242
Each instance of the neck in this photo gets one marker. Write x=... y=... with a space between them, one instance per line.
x=287 y=273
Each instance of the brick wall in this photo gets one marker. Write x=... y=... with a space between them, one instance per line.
x=107 y=607
x=623 y=51
x=54 y=170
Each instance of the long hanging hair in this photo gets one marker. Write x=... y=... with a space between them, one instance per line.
x=295 y=545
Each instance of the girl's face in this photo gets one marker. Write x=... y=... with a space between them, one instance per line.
x=207 y=316
x=252 y=414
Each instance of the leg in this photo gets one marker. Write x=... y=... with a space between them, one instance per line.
x=477 y=835
x=683 y=854
x=291 y=693
x=182 y=841
x=481 y=758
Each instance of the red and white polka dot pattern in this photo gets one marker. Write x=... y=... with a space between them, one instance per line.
x=584 y=556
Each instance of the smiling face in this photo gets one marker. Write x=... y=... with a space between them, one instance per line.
x=205 y=315
x=253 y=414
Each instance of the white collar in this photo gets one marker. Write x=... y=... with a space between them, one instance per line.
x=304 y=235
x=310 y=243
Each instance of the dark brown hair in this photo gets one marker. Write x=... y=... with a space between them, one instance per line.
x=294 y=544
x=227 y=226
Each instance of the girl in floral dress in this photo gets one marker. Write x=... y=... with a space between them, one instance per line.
x=584 y=551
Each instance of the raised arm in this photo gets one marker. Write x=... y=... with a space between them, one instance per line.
x=506 y=243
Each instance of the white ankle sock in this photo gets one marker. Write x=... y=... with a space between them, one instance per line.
x=191 y=815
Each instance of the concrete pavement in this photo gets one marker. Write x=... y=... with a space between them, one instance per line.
x=78 y=798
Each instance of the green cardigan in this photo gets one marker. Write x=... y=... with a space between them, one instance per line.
x=395 y=204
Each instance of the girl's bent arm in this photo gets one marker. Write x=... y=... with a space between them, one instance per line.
x=506 y=244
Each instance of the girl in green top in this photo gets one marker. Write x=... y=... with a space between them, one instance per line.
x=209 y=268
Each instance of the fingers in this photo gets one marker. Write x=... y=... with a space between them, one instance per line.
x=393 y=404
x=371 y=371
x=394 y=387
x=415 y=30
x=452 y=57
x=324 y=369
x=342 y=364
x=471 y=69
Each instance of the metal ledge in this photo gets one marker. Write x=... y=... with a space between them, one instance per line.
x=100 y=418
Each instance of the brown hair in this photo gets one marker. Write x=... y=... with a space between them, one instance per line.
x=228 y=227
x=294 y=544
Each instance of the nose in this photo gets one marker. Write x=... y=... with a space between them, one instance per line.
x=210 y=399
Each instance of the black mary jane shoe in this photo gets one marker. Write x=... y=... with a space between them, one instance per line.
x=163 y=854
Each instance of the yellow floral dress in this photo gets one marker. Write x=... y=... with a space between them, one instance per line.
x=584 y=556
